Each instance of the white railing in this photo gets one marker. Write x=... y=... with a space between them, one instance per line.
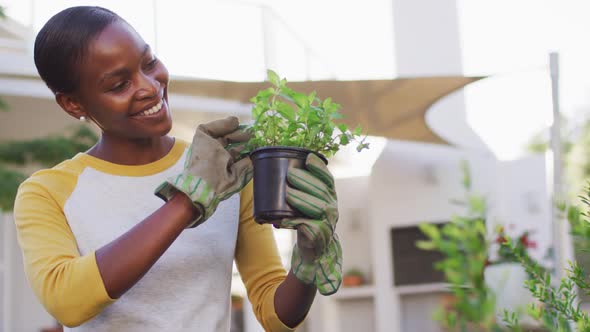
x=274 y=27
x=21 y=311
x=6 y=260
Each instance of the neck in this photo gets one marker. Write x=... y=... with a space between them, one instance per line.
x=125 y=151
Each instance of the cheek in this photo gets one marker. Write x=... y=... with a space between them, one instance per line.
x=162 y=74
x=111 y=109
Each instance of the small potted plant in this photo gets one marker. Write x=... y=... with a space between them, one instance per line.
x=237 y=302
x=289 y=125
x=353 y=278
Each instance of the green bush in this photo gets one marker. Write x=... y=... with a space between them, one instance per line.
x=47 y=152
x=559 y=308
x=464 y=246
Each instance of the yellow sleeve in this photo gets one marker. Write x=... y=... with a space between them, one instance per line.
x=68 y=285
x=259 y=264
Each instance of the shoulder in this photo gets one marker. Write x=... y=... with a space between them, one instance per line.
x=56 y=182
x=57 y=175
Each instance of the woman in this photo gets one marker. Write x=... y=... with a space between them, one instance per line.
x=103 y=253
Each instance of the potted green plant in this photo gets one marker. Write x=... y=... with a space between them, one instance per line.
x=237 y=302
x=288 y=125
x=353 y=278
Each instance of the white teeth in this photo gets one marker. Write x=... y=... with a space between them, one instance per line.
x=153 y=110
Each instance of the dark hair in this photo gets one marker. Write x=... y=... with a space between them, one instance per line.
x=63 y=41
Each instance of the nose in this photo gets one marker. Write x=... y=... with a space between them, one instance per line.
x=148 y=86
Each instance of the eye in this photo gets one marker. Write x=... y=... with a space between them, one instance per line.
x=120 y=86
x=152 y=63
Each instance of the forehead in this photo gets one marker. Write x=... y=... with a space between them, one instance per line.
x=117 y=45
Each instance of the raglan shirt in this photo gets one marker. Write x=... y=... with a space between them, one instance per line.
x=64 y=214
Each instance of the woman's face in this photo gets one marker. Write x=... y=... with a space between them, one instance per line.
x=123 y=86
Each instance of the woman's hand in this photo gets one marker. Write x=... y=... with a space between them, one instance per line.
x=213 y=171
x=317 y=256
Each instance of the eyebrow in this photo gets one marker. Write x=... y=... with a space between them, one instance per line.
x=122 y=71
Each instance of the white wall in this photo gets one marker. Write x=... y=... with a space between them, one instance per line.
x=523 y=200
x=427 y=43
x=353 y=224
x=410 y=184
x=414 y=183
x=330 y=314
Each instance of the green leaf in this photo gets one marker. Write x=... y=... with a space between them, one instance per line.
x=313 y=119
x=286 y=97
x=311 y=98
x=466 y=175
x=425 y=245
x=317 y=110
x=334 y=107
x=358 y=130
x=430 y=230
x=273 y=78
x=256 y=112
x=344 y=140
x=263 y=95
x=477 y=205
x=362 y=146
x=300 y=100
x=286 y=111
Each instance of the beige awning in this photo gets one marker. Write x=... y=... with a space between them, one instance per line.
x=389 y=108
x=394 y=109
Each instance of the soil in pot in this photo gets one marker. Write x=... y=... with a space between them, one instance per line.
x=270 y=181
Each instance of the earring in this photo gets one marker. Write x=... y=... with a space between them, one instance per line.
x=82 y=118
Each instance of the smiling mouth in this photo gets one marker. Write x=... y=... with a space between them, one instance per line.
x=153 y=110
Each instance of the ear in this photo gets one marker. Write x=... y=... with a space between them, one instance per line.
x=70 y=104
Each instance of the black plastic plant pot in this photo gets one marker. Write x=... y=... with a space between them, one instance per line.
x=270 y=181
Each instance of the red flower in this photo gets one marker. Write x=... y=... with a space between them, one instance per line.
x=526 y=242
x=501 y=239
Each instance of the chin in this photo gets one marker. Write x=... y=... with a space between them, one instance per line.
x=161 y=130
x=167 y=126
x=153 y=132
x=166 y=131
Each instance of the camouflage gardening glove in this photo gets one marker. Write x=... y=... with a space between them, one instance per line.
x=212 y=171
x=317 y=255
